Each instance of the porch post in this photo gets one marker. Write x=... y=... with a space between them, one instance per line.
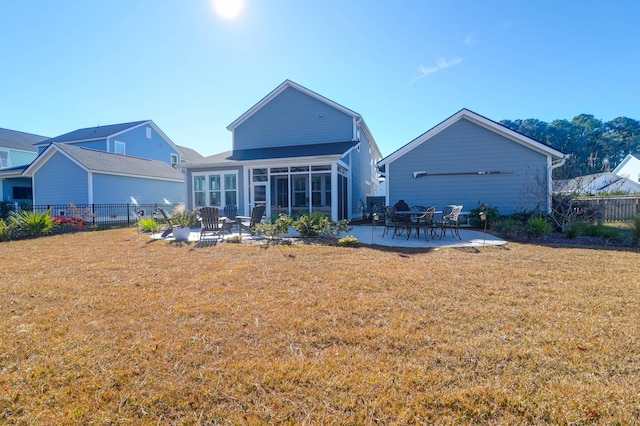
x=334 y=192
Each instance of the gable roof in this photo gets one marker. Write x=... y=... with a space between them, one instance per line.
x=93 y=133
x=96 y=161
x=281 y=88
x=19 y=140
x=483 y=122
x=633 y=158
x=334 y=149
x=189 y=154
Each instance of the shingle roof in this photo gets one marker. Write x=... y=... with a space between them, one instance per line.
x=281 y=152
x=107 y=162
x=189 y=154
x=99 y=132
x=19 y=140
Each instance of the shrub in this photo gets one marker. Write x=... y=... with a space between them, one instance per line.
x=492 y=216
x=275 y=226
x=6 y=230
x=510 y=228
x=348 y=241
x=538 y=226
x=635 y=229
x=337 y=228
x=312 y=225
x=184 y=219
x=599 y=231
x=573 y=229
x=236 y=239
x=32 y=224
x=148 y=225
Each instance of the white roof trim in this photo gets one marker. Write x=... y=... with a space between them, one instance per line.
x=45 y=156
x=286 y=84
x=483 y=122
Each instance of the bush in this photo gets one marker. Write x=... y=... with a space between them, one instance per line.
x=275 y=226
x=185 y=219
x=510 y=228
x=599 y=231
x=348 y=241
x=6 y=230
x=32 y=224
x=338 y=228
x=538 y=226
x=492 y=216
x=236 y=239
x=148 y=225
x=312 y=225
x=635 y=229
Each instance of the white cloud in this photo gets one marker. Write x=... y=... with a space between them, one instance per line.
x=441 y=64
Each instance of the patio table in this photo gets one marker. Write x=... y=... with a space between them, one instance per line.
x=412 y=217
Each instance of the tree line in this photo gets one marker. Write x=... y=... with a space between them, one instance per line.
x=596 y=146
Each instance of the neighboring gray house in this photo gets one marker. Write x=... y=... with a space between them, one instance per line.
x=468 y=159
x=295 y=151
x=16 y=153
x=64 y=174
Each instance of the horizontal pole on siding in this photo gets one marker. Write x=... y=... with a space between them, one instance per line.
x=425 y=174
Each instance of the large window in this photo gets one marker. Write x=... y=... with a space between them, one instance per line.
x=219 y=190
x=230 y=190
x=199 y=196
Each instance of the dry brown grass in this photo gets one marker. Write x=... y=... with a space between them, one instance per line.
x=112 y=328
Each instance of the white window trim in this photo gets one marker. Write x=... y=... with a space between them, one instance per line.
x=177 y=157
x=207 y=191
x=122 y=144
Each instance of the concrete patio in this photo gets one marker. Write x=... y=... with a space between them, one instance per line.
x=370 y=235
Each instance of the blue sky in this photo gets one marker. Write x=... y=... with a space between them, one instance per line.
x=404 y=65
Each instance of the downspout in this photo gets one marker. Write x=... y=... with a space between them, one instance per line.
x=553 y=165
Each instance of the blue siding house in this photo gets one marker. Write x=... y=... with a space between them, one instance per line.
x=120 y=163
x=137 y=139
x=295 y=151
x=467 y=160
x=64 y=174
x=16 y=153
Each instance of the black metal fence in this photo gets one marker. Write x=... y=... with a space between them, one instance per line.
x=104 y=216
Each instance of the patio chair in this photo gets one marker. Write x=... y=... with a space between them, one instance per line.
x=248 y=223
x=412 y=221
x=167 y=219
x=449 y=220
x=424 y=221
x=392 y=220
x=230 y=212
x=211 y=222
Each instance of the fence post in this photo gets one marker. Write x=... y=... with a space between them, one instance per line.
x=128 y=216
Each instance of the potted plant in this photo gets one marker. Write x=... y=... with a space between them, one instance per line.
x=182 y=221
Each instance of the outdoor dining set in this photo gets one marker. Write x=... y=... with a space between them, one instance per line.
x=413 y=220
